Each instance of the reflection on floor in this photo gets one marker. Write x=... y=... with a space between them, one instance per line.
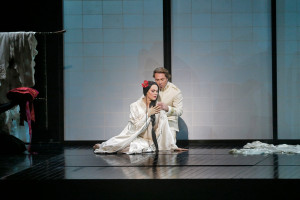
x=206 y=171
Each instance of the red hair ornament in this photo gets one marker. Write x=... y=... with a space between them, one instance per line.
x=145 y=84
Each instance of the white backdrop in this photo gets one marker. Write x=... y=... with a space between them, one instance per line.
x=110 y=49
x=221 y=60
x=288 y=72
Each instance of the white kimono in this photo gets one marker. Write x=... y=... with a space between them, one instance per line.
x=136 y=137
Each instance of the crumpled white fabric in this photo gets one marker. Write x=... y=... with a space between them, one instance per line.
x=257 y=148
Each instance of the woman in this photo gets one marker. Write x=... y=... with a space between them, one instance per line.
x=148 y=128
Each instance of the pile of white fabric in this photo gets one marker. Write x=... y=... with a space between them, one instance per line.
x=257 y=148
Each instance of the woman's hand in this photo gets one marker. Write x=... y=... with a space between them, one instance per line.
x=154 y=110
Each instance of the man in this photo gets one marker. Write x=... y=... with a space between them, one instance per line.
x=170 y=98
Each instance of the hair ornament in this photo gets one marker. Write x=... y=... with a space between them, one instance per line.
x=145 y=84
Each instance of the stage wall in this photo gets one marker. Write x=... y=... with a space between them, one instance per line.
x=221 y=60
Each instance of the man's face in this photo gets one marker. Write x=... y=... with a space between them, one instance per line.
x=161 y=80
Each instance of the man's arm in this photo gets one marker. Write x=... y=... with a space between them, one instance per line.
x=177 y=108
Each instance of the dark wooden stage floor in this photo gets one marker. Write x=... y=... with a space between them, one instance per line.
x=206 y=171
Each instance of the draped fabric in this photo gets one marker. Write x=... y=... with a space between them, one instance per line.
x=18 y=51
x=17 y=55
x=136 y=136
x=24 y=96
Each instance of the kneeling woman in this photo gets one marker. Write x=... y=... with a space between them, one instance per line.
x=148 y=128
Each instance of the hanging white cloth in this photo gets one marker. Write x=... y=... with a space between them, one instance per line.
x=4 y=54
x=17 y=55
x=18 y=50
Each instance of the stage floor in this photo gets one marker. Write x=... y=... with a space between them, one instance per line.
x=204 y=171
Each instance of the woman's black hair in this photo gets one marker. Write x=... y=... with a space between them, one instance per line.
x=152 y=103
x=146 y=89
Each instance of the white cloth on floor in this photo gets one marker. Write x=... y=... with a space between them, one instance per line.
x=136 y=136
x=257 y=148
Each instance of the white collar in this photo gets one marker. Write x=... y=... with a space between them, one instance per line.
x=166 y=87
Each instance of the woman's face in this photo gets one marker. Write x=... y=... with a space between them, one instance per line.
x=152 y=92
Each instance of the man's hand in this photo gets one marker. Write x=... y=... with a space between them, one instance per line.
x=163 y=106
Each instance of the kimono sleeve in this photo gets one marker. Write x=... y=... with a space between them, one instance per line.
x=138 y=117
